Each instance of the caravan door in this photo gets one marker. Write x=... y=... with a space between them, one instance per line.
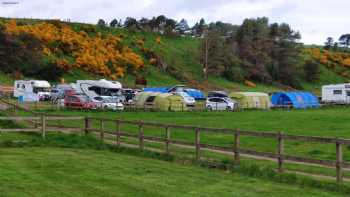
x=347 y=97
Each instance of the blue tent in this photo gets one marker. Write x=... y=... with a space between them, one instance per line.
x=299 y=100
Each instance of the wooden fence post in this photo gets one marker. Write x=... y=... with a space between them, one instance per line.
x=339 y=151
x=118 y=132
x=280 y=151
x=167 y=140
x=198 y=138
x=43 y=127
x=236 y=146
x=102 y=125
x=87 y=125
x=141 y=136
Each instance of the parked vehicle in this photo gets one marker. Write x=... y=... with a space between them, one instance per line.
x=189 y=101
x=79 y=102
x=109 y=104
x=339 y=93
x=34 y=89
x=99 y=88
x=220 y=94
x=60 y=91
x=221 y=104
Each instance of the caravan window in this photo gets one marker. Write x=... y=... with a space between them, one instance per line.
x=37 y=90
x=18 y=86
x=337 y=92
x=23 y=86
x=348 y=93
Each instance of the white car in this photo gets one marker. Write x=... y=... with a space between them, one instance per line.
x=190 y=101
x=221 y=104
x=108 y=103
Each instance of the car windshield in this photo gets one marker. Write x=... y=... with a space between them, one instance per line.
x=84 y=99
x=183 y=94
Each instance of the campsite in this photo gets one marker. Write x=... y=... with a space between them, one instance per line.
x=178 y=98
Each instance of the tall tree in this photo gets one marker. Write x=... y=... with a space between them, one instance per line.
x=114 y=23
x=344 y=40
x=101 y=23
x=329 y=43
x=253 y=48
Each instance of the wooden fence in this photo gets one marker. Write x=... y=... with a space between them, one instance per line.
x=279 y=156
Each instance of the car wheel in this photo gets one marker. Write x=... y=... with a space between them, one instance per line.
x=228 y=108
x=209 y=108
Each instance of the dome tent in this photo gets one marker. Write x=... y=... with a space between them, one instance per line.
x=169 y=102
x=251 y=100
x=142 y=97
x=299 y=100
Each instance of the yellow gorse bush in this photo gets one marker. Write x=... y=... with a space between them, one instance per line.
x=99 y=55
x=329 y=57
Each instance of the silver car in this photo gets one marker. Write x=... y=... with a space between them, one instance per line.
x=221 y=104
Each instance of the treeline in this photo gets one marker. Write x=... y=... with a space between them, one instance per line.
x=167 y=26
x=257 y=51
x=342 y=44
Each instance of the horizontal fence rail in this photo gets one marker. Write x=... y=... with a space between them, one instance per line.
x=235 y=149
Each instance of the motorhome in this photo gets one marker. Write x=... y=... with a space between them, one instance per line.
x=97 y=89
x=34 y=89
x=337 y=93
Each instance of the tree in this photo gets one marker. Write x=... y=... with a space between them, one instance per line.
x=344 y=40
x=200 y=27
x=130 y=22
x=253 y=48
x=312 y=71
x=114 y=23
x=101 y=23
x=329 y=43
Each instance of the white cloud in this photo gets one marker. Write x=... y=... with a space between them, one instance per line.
x=315 y=19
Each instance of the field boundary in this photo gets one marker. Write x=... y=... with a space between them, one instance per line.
x=42 y=126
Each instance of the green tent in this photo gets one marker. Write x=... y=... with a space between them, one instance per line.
x=141 y=98
x=252 y=100
x=169 y=102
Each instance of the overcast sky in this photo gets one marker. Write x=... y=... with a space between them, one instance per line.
x=315 y=19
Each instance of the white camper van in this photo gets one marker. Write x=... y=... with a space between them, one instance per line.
x=106 y=93
x=338 y=93
x=34 y=89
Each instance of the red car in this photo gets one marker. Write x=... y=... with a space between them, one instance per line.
x=79 y=102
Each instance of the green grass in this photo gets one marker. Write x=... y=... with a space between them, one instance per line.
x=326 y=122
x=83 y=172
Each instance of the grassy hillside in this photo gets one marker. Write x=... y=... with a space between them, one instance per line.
x=77 y=172
x=178 y=62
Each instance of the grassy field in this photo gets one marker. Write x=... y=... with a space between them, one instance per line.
x=84 y=172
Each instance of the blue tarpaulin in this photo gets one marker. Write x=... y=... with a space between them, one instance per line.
x=299 y=100
x=196 y=94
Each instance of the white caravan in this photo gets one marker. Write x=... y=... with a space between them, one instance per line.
x=338 y=93
x=101 y=92
x=34 y=89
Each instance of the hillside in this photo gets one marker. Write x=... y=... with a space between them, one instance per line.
x=162 y=60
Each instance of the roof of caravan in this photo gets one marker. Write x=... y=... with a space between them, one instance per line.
x=37 y=83
x=336 y=85
x=102 y=83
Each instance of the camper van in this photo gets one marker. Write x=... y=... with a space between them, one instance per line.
x=338 y=93
x=34 y=89
x=101 y=92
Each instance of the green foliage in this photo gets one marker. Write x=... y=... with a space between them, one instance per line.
x=312 y=71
